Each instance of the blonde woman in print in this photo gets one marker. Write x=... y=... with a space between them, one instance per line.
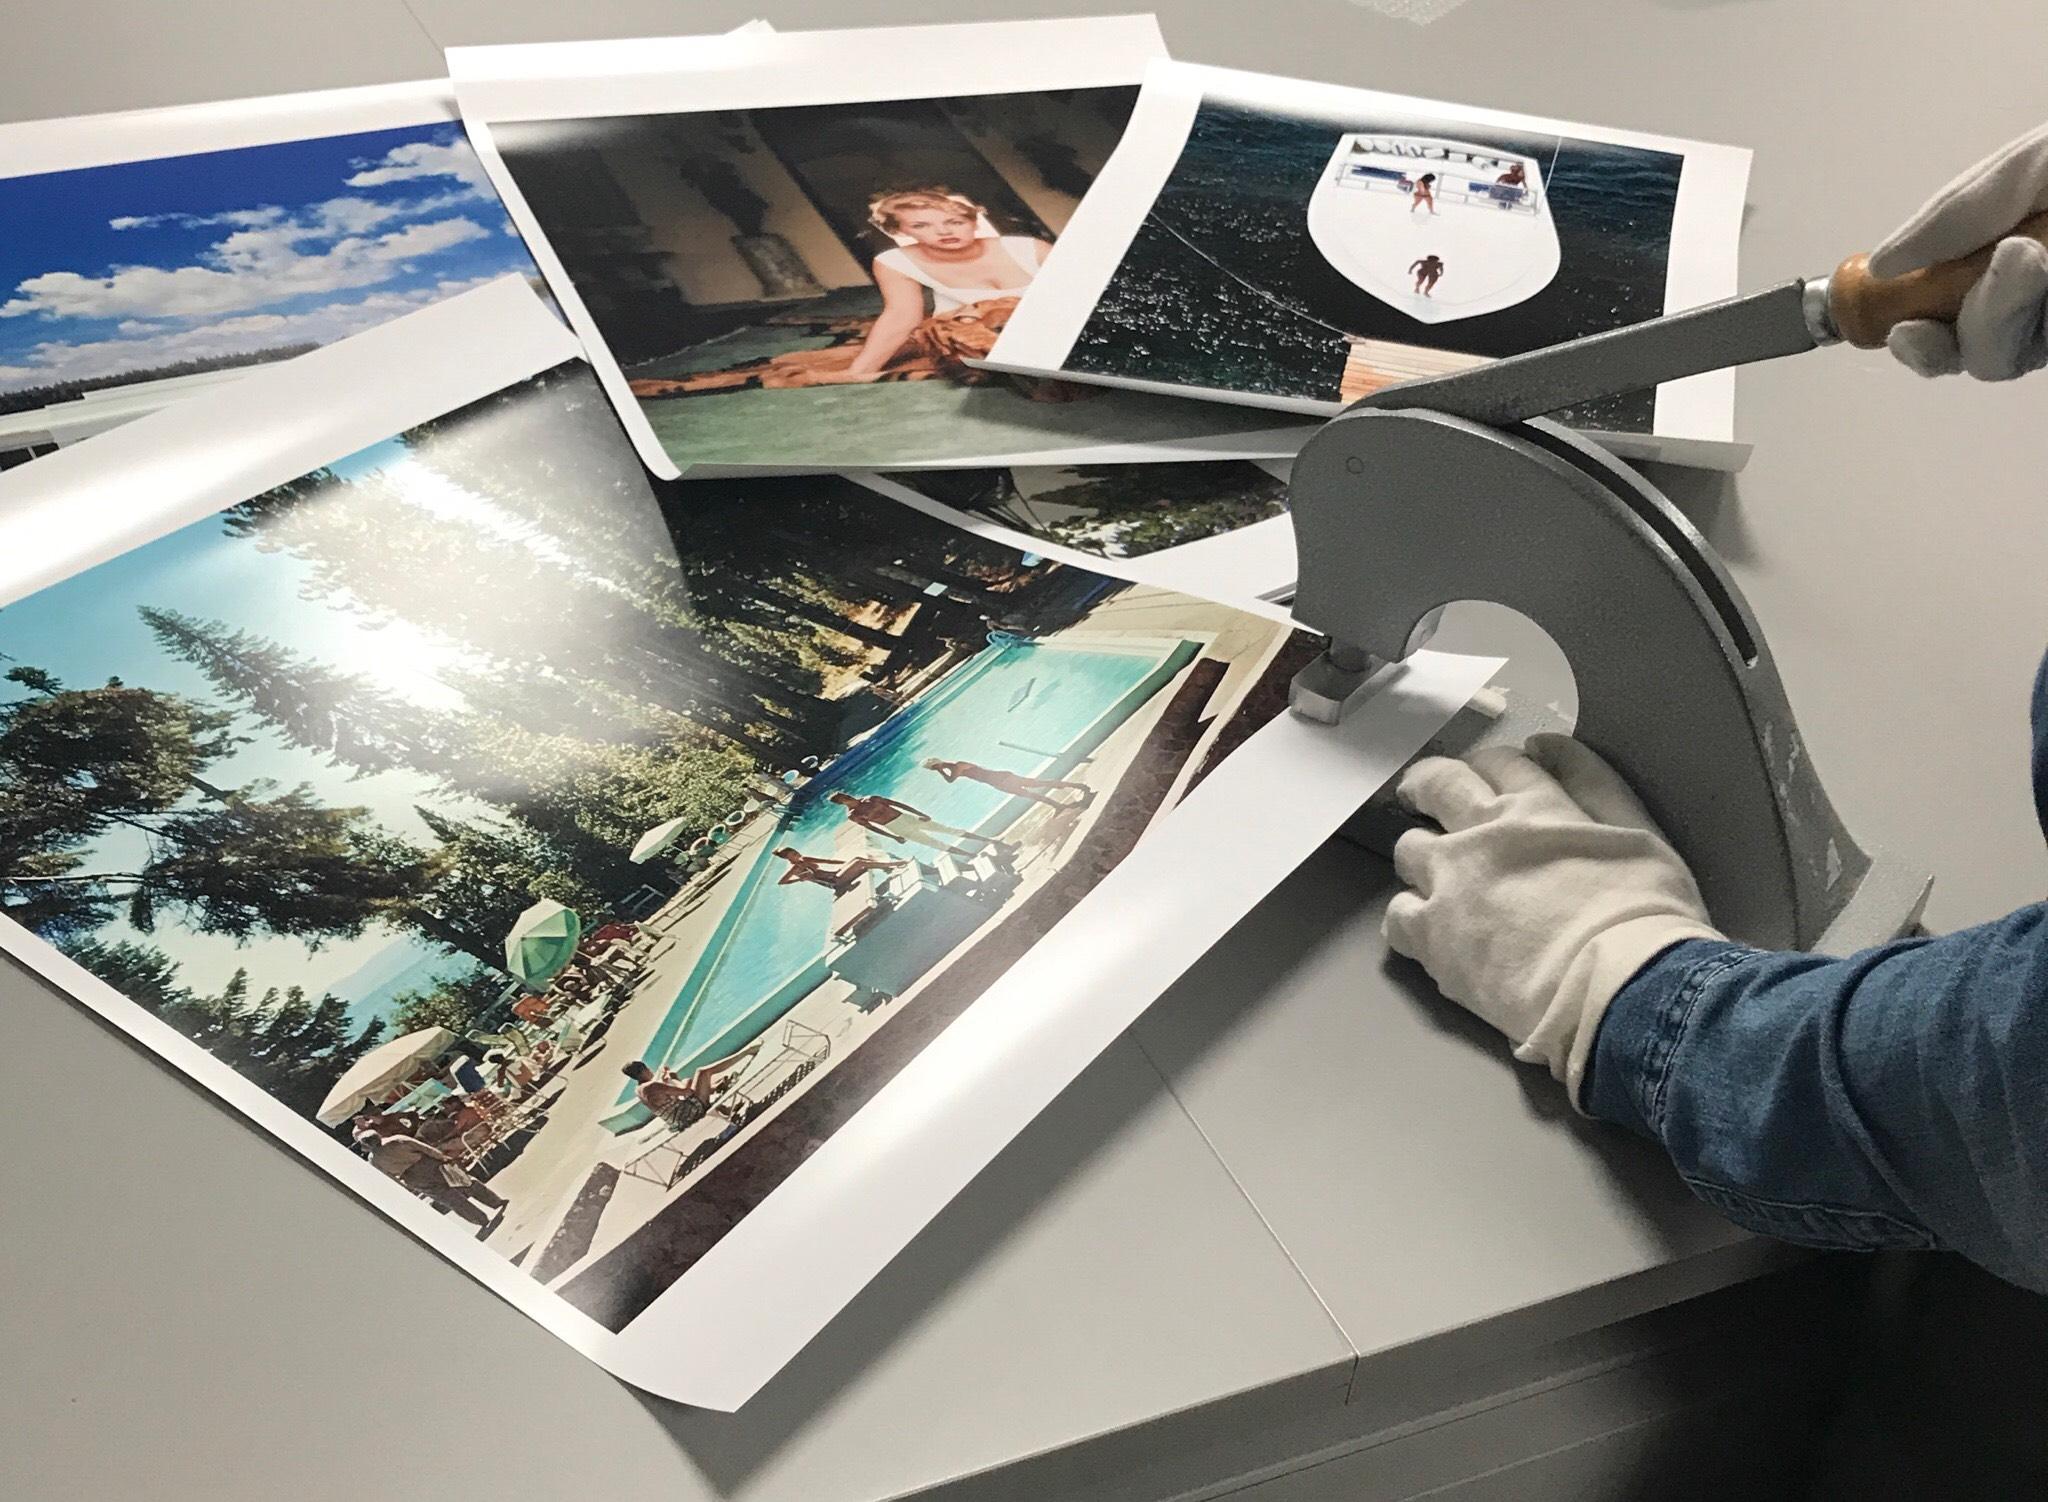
x=945 y=247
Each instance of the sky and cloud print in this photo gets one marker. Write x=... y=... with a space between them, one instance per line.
x=135 y=269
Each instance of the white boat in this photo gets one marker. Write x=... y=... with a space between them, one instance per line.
x=1390 y=210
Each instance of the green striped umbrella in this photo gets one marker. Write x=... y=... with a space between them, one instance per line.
x=542 y=941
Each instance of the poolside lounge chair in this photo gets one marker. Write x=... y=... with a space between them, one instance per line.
x=803 y=1050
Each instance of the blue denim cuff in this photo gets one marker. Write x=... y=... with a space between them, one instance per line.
x=1641 y=1031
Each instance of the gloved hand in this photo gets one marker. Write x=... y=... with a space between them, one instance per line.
x=2002 y=330
x=1548 y=889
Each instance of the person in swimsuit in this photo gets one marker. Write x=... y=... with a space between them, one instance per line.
x=1014 y=783
x=1423 y=191
x=1507 y=188
x=906 y=825
x=974 y=277
x=837 y=876
x=1426 y=271
x=683 y=1102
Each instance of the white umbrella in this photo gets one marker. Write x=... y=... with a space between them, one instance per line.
x=380 y=1069
x=656 y=840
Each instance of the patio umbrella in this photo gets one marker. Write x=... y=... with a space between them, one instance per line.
x=542 y=940
x=380 y=1069
x=656 y=840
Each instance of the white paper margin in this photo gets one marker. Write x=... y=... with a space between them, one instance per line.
x=30 y=148
x=757 y=69
x=1692 y=416
x=711 y=1339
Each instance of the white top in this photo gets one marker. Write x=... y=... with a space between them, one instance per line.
x=1021 y=249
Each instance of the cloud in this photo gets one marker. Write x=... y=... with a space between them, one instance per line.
x=270 y=254
x=424 y=159
x=243 y=334
x=240 y=218
x=336 y=216
x=248 y=269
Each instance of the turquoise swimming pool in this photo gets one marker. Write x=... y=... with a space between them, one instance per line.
x=1030 y=707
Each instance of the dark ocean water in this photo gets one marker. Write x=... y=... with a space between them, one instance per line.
x=1235 y=206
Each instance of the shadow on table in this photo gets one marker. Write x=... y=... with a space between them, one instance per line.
x=1088 y=1118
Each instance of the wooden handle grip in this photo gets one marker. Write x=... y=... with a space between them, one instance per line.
x=1865 y=307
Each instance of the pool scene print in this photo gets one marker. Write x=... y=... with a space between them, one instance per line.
x=585 y=858
x=804 y=285
x=1111 y=510
x=166 y=270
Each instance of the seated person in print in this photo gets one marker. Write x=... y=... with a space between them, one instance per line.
x=683 y=1102
x=946 y=250
x=836 y=876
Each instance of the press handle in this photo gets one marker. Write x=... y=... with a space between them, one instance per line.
x=1865 y=307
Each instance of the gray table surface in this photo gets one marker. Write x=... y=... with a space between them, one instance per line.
x=1299 y=1178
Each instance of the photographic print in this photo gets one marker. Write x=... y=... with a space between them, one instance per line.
x=129 y=282
x=1113 y=510
x=568 y=867
x=1304 y=246
x=798 y=285
x=1216 y=528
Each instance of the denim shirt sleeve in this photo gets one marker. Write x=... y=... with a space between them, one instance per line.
x=1895 y=1098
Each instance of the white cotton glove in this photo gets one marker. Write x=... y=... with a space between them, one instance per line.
x=2002 y=331
x=1548 y=889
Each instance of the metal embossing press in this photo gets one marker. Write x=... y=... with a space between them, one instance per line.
x=1455 y=489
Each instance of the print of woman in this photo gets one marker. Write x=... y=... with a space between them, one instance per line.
x=944 y=246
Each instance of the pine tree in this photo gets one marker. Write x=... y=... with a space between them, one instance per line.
x=309 y=704
x=141 y=972
x=78 y=763
x=459 y=1004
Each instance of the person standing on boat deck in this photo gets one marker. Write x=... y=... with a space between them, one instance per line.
x=678 y=1101
x=1423 y=193
x=906 y=825
x=839 y=877
x=1891 y=1099
x=1507 y=188
x=1014 y=783
x=1427 y=271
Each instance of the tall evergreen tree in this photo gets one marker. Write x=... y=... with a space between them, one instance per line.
x=459 y=1004
x=141 y=972
x=514 y=600
x=263 y=863
x=310 y=704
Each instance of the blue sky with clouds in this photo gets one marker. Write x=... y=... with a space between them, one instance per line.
x=109 y=270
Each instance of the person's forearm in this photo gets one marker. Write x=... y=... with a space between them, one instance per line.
x=882 y=343
x=1891 y=1098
